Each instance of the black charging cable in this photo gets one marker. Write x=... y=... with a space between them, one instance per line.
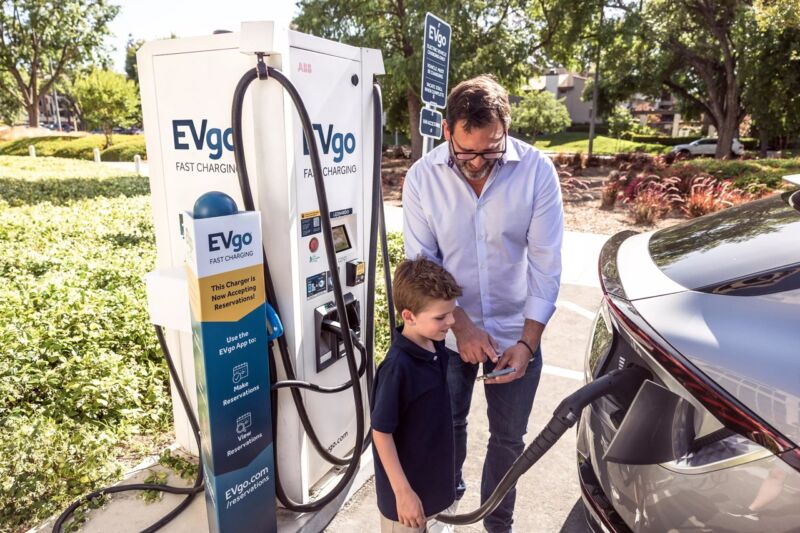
x=564 y=417
x=189 y=491
x=263 y=72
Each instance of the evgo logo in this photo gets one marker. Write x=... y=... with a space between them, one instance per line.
x=216 y=140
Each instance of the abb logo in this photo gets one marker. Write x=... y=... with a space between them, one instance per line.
x=304 y=67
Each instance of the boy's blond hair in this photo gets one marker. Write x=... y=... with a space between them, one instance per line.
x=417 y=282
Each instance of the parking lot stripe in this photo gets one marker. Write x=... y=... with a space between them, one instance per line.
x=562 y=372
x=575 y=308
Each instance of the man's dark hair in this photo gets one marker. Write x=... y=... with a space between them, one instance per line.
x=417 y=282
x=479 y=102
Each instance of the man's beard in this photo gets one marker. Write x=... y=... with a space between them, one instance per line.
x=475 y=175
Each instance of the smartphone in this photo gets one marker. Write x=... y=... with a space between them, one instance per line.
x=496 y=373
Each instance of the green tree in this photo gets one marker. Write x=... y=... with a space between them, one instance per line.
x=771 y=79
x=9 y=106
x=131 y=68
x=40 y=39
x=620 y=121
x=107 y=100
x=539 y=112
x=487 y=37
x=778 y=14
x=692 y=48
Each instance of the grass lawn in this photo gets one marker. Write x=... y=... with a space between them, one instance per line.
x=83 y=386
x=579 y=142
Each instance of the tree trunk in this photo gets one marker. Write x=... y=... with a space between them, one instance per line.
x=728 y=123
x=706 y=124
x=763 y=138
x=725 y=135
x=33 y=113
x=414 y=106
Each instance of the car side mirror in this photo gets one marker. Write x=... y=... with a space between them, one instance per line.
x=658 y=427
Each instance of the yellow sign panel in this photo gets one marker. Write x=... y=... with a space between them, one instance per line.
x=226 y=297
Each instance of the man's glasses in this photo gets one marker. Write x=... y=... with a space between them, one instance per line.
x=490 y=155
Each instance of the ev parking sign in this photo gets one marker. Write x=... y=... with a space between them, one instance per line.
x=435 y=60
x=430 y=123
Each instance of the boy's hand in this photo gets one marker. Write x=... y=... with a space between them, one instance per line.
x=409 y=509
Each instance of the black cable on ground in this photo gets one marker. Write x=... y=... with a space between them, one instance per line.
x=189 y=491
x=564 y=417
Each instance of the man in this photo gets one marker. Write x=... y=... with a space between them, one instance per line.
x=487 y=207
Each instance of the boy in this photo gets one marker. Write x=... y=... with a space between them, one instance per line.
x=412 y=426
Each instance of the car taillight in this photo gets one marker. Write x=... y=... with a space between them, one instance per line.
x=601 y=340
x=729 y=411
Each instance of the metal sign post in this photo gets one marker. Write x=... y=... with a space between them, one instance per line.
x=435 y=68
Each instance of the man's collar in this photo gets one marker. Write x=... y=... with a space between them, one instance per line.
x=441 y=154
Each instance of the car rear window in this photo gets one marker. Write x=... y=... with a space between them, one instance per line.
x=753 y=238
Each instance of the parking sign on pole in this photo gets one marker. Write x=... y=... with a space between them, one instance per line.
x=435 y=68
x=430 y=123
x=435 y=60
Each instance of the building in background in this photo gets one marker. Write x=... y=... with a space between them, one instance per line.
x=566 y=85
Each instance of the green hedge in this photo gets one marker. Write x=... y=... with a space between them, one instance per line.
x=82 y=382
x=83 y=385
x=659 y=139
x=747 y=142
x=125 y=150
x=599 y=129
x=743 y=173
x=123 y=147
x=396 y=255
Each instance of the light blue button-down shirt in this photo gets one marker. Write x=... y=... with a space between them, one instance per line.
x=503 y=248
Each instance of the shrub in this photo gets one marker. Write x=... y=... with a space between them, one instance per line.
x=82 y=381
x=660 y=139
x=653 y=199
x=608 y=196
x=707 y=195
x=572 y=188
x=747 y=142
x=125 y=151
x=69 y=146
x=742 y=173
x=382 y=333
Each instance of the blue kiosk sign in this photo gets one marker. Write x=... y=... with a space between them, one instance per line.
x=435 y=61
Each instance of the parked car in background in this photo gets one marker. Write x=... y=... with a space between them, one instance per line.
x=706 y=147
x=707 y=438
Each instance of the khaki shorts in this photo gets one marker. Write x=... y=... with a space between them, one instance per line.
x=390 y=526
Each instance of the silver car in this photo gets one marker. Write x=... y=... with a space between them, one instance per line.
x=706 y=147
x=708 y=440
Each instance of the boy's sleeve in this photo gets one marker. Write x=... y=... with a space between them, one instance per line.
x=387 y=403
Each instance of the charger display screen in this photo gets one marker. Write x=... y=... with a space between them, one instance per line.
x=341 y=240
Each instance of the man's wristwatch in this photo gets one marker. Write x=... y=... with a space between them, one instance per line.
x=528 y=346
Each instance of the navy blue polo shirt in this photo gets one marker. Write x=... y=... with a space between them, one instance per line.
x=412 y=402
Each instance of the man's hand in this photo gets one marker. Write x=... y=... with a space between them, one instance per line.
x=410 y=512
x=518 y=356
x=475 y=345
